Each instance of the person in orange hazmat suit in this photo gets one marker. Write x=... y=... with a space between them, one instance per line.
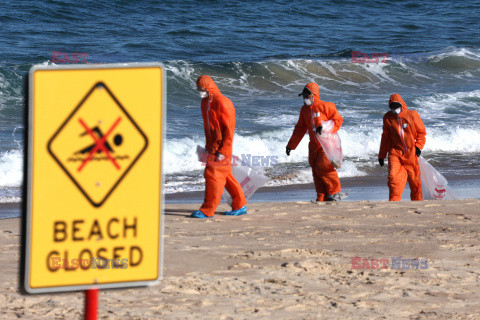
x=403 y=139
x=218 y=115
x=313 y=112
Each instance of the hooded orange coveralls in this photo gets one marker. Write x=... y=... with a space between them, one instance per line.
x=218 y=115
x=325 y=176
x=401 y=134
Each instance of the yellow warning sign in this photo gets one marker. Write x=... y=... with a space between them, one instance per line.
x=94 y=176
x=97 y=146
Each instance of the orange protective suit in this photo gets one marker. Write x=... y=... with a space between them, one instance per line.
x=325 y=176
x=218 y=115
x=401 y=134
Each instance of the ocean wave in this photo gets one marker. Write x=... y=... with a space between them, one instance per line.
x=11 y=168
x=333 y=74
x=283 y=77
x=359 y=143
x=265 y=124
x=291 y=177
x=10 y=199
x=464 y=100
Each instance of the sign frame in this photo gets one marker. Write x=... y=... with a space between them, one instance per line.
x=24 y=282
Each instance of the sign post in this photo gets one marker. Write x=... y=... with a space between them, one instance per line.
x=94 y=178
x=91 y=304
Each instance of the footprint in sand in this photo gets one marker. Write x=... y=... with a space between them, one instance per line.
x=415 y=211
x=241 y=265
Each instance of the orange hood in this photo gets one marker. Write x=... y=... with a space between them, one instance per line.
x=208 y=83
x=314 y=89
x=398 y=98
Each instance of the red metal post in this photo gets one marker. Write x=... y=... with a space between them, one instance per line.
x=91 y=304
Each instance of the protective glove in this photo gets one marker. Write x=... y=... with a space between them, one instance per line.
x=319 y=130
x=381 y=162
x=418 y=152
x=219 y=157
x=288 y=151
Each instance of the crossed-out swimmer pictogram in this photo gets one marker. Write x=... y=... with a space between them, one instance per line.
x=99 y=144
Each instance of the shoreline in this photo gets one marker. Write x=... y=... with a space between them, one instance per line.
x=10 y=210
x=363 y=188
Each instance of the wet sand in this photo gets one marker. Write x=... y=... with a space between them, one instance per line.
x=289 y=260
x=371 y=188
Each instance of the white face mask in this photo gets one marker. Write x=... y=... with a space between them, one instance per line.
x=203 y=94
x=307 y=102
x=397 y=111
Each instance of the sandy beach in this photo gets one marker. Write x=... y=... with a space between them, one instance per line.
x=290 y=261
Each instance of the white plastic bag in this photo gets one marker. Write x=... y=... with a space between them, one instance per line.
x=202 y=154
x=331 y=144
x=434 y=184
x=250 y=179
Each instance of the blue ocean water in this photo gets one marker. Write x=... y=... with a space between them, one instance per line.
x=261 y=53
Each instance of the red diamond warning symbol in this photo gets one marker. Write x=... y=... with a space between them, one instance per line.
x=98 y=144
